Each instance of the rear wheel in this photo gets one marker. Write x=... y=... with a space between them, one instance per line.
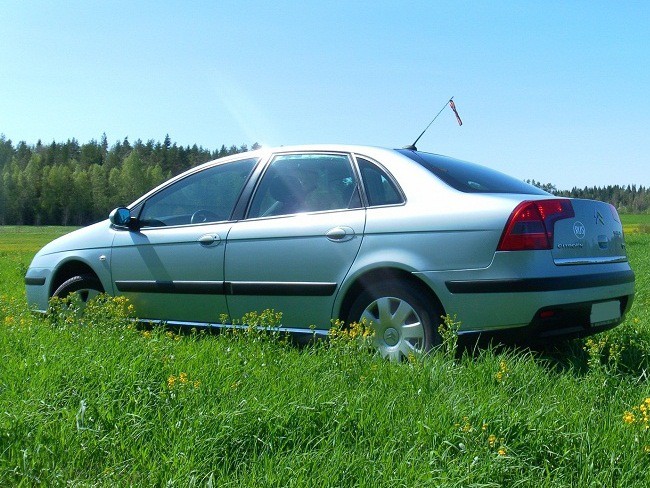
x=403 y=318
x=84 y=287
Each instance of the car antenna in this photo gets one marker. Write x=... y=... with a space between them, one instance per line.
x=453 y=107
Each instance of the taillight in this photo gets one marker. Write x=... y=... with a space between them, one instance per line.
x=530 y=225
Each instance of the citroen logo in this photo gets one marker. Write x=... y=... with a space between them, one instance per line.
x=579 y=229
x=391 y=336
x=599 y=218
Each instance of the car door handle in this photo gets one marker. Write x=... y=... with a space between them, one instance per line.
x=209 y=239
x=340 y=234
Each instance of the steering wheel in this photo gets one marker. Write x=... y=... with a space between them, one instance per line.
x=202 y=216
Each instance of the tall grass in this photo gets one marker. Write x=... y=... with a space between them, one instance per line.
x=96 y=401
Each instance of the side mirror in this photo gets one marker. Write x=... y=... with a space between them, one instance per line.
x=121 y=217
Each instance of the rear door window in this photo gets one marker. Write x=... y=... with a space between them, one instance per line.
x=296 y=183
x=379 y=187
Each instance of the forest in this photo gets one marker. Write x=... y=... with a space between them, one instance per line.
x=76 y=184
x=68 y=183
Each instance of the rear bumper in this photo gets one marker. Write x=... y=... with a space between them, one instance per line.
x=550 y=323
x=555 y=283
x=512 y=291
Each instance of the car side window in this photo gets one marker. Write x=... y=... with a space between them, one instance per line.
x=206 y=196
x=379 y=187
x=295 y=183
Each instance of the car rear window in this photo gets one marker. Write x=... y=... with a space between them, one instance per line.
x=470 y=177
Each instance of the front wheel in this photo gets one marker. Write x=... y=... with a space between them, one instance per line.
x=404 y=320
x=86 y=287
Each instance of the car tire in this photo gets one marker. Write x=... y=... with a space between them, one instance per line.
x=404 y=320
x=85 y=286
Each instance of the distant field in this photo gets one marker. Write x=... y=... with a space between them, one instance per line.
x=94 y=401
x=635 y=218
x=636 y=223
x=18 y=244
x=28 y=239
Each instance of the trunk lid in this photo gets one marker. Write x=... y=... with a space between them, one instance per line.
x=593 y=236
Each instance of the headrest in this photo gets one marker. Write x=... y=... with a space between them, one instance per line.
x=287 y=188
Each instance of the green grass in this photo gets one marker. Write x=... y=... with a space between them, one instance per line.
x=18 y=244
x=28 y=240
x=635 y=219
x=636 y=223
x=98 y=402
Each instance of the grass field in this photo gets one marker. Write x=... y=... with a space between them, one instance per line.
x=97 y=402
x=638 y=223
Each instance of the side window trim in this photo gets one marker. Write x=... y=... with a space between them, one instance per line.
x=242 y=207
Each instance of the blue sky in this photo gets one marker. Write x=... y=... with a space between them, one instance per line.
x=554 y=91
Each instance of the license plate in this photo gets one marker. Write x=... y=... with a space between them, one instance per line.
x=605 y=312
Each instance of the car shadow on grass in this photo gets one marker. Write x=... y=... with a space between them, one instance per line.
x=623 y=351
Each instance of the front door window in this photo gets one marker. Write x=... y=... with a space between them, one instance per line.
x=207 y=196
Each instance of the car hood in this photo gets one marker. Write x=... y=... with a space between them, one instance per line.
x=94 y=236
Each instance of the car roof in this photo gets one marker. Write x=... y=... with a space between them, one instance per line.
x=349 y=148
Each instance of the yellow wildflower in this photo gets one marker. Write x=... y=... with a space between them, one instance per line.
x=492 y=440
x=181 y=381
x=502 y=451
x=629 y=418
x=503 y=371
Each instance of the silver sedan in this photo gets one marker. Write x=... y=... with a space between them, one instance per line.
x=397 y=237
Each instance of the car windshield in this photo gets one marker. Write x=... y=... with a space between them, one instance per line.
x=470 y=177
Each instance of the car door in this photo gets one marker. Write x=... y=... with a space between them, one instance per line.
x=172 y=267
x=302 y=232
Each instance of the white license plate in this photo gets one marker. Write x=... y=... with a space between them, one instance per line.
x=605 y=312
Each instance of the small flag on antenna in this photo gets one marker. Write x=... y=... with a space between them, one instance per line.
x=453 y=107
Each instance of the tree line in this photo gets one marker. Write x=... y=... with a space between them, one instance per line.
x=76 y=184
x=68 y=183
x=626 y=198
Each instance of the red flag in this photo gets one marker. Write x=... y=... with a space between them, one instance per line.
x=453 y=107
